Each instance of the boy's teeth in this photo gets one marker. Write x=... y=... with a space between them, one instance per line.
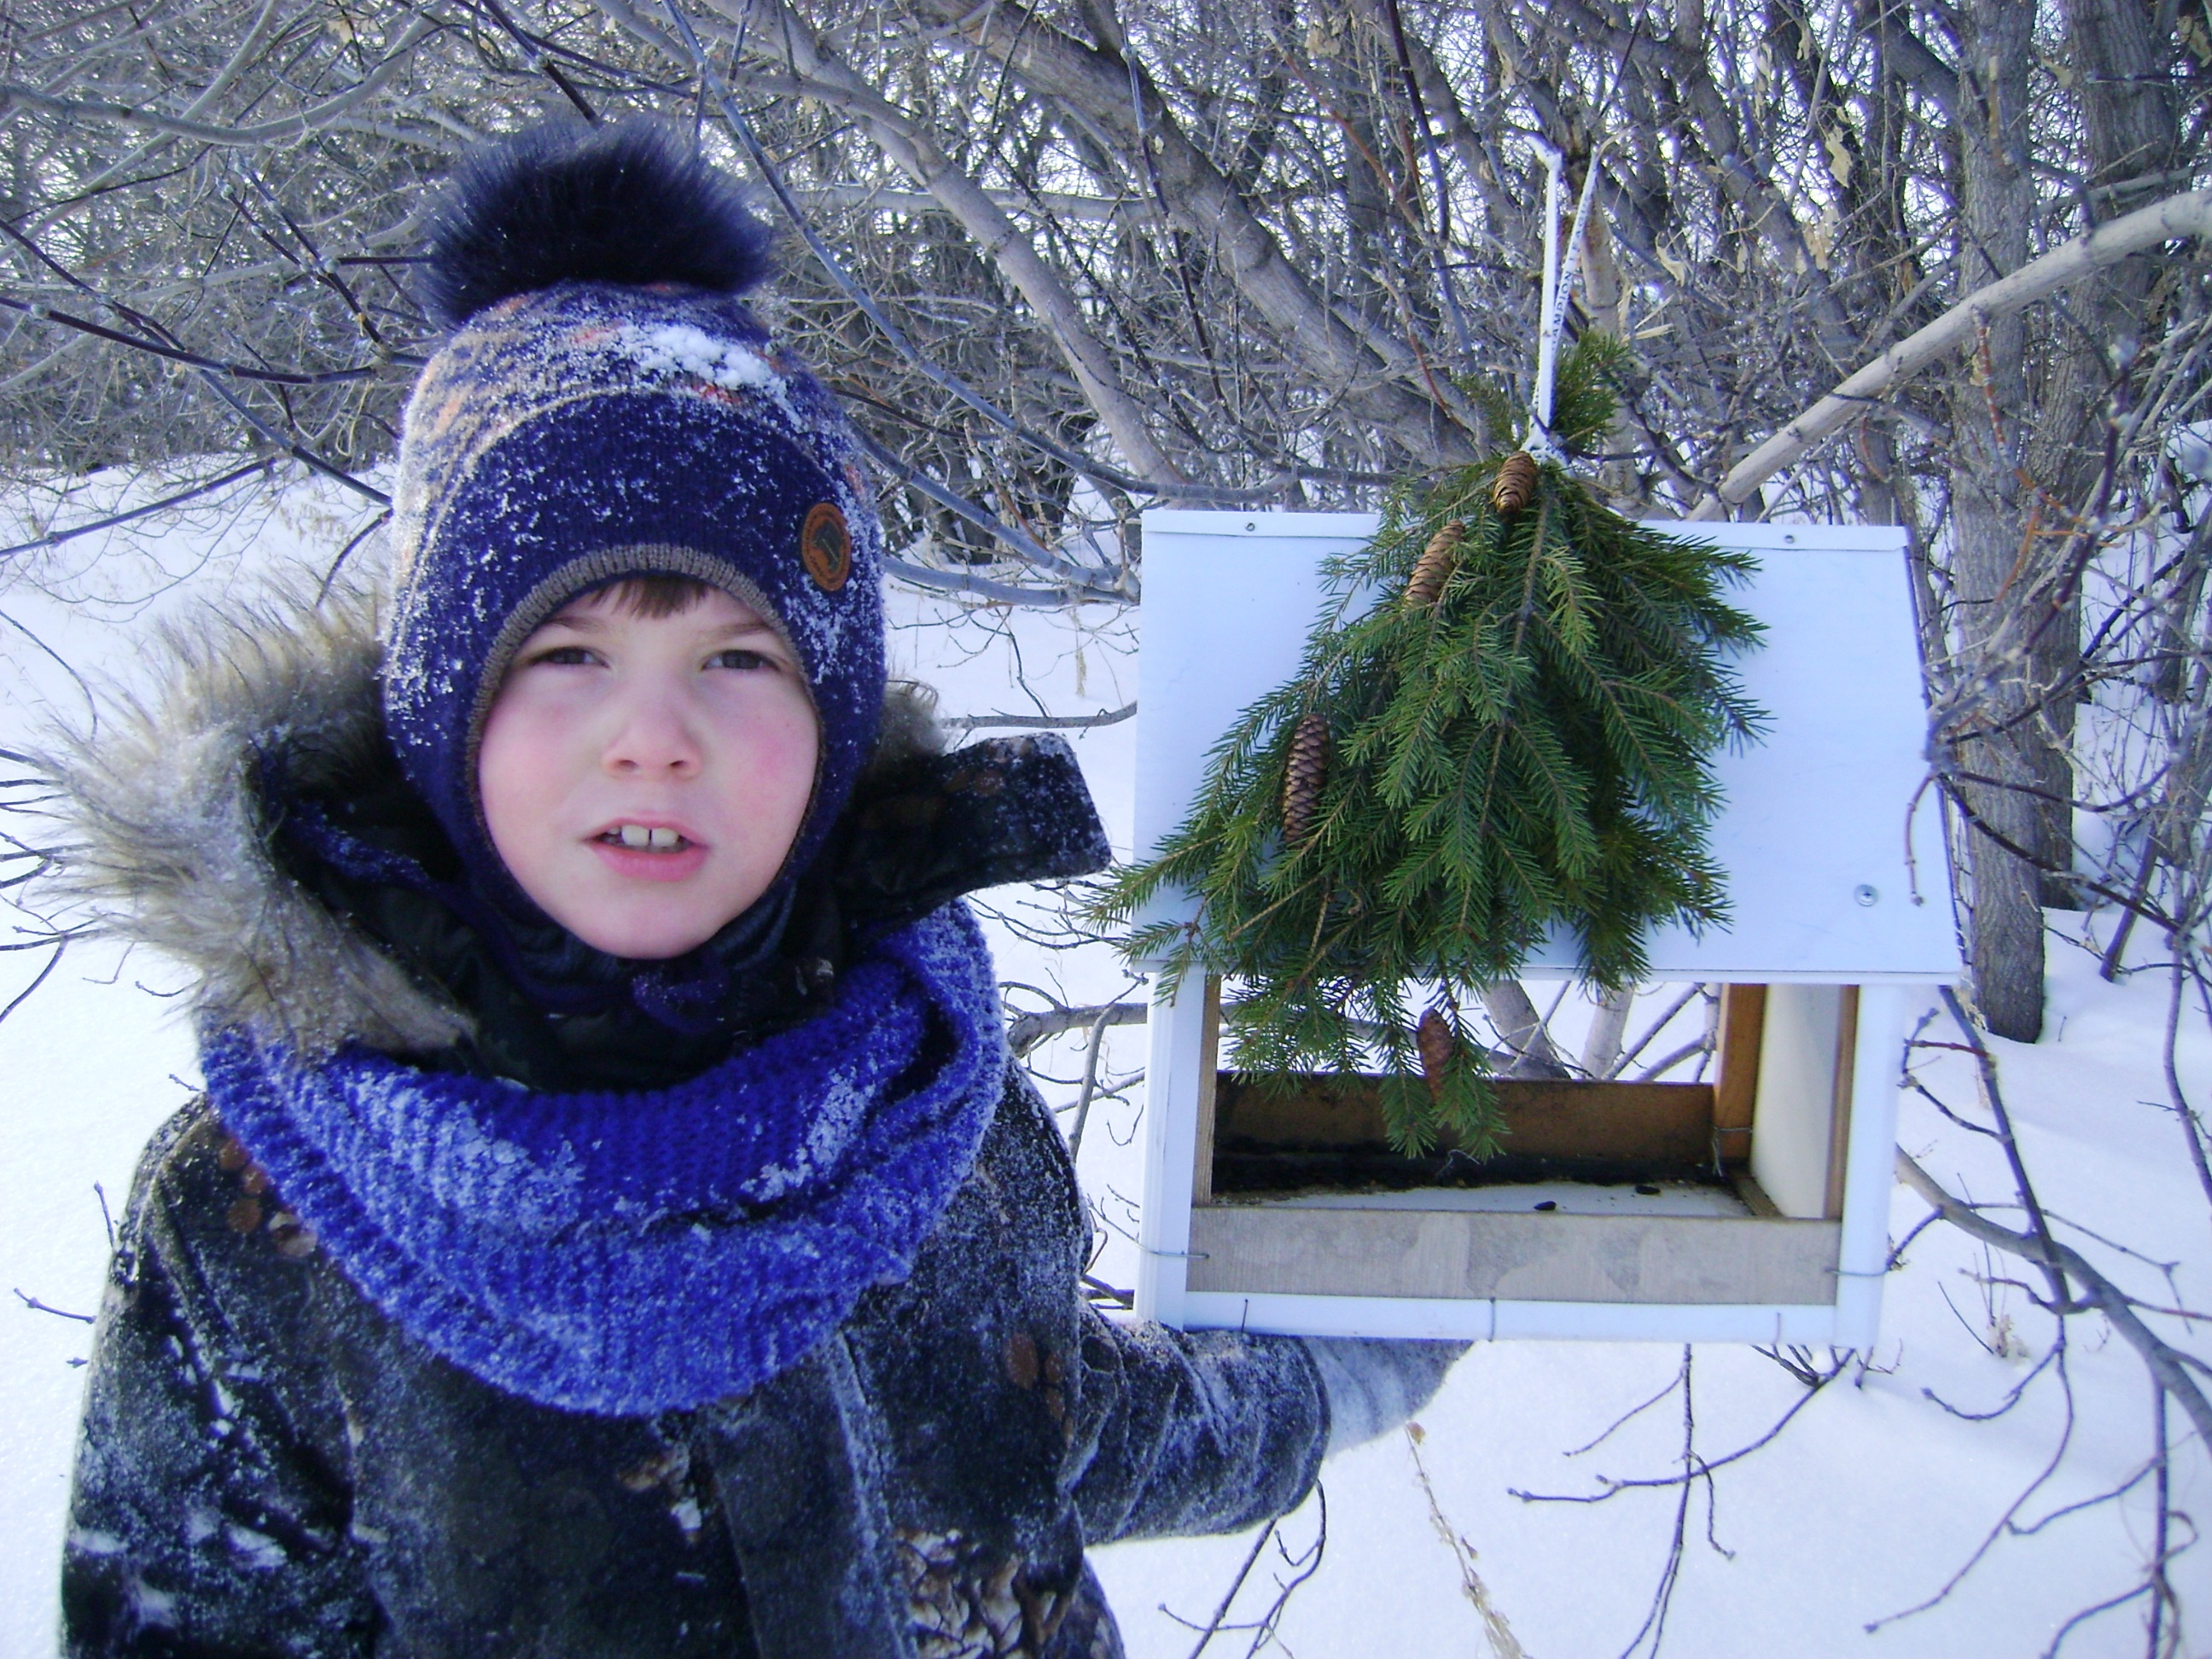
x=635 y=835
x=666 y=838
x=658 y=840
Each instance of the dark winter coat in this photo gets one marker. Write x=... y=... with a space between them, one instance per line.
x=269 y=1465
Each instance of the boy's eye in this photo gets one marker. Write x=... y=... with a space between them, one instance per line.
x=561 y=656
x=738 y=658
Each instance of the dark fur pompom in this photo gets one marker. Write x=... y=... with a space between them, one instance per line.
x=565 y=203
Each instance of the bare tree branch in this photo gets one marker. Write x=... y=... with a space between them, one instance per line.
x=2167 y=1364
x=2177 y=218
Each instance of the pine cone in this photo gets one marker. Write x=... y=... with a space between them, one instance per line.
x=1438 y=1044
x=1434 y=566
x=1517 y=485
x=1301 y=779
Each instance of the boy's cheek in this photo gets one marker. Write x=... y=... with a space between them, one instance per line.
x=515 y=748
x=519 y=783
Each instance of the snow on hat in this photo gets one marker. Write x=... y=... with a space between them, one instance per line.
x=605 y=406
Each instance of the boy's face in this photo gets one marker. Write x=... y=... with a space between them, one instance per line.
x=643 y=777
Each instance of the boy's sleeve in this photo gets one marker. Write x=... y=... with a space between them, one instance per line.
x=205 y=1519
x=1375 y=1384
x=1193 y=1431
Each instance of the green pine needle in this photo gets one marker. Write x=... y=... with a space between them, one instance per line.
x=1534 y=750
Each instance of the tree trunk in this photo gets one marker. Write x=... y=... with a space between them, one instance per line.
x=1522 y=1030
x=1609 y=1029
x=2130 y=115
x=1989 y=426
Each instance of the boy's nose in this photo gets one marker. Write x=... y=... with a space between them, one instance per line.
x=653 y=738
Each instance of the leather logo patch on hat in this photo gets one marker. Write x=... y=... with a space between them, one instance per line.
x=825 y=547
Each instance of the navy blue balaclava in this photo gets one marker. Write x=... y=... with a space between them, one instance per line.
x=606 y=407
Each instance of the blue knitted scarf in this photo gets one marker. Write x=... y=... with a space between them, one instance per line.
x=629 y=1254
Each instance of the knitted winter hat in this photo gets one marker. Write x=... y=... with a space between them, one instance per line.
x=606 y=407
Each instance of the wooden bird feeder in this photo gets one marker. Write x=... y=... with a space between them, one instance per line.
x=1750 y=1207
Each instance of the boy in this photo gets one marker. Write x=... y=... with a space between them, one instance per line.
x=613 y=1225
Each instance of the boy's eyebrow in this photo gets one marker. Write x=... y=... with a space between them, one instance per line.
x=582 y=621
x=587 y=621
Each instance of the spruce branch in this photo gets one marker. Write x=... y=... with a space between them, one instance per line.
x=1478 y=747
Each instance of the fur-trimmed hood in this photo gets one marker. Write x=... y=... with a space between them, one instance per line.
x=164 y=840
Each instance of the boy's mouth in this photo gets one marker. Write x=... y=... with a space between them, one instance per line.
x=643 y=838
x=649 y=852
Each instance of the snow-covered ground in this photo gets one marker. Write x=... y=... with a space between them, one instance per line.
x=1870 y=1499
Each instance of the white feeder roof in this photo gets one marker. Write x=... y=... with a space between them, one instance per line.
x=1815 y=833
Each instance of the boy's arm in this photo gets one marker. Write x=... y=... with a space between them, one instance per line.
x=1215 y=1431
x=203 y=1521
x=1194 y=1431
x=1376 y=1384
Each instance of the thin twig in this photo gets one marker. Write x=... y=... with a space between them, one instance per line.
x=1040 y=722
x=37 y=1306
x=1503 y=1644
x=2167 y=1364
x=1097 y=1043
x=24 y=995
x=56 y=538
